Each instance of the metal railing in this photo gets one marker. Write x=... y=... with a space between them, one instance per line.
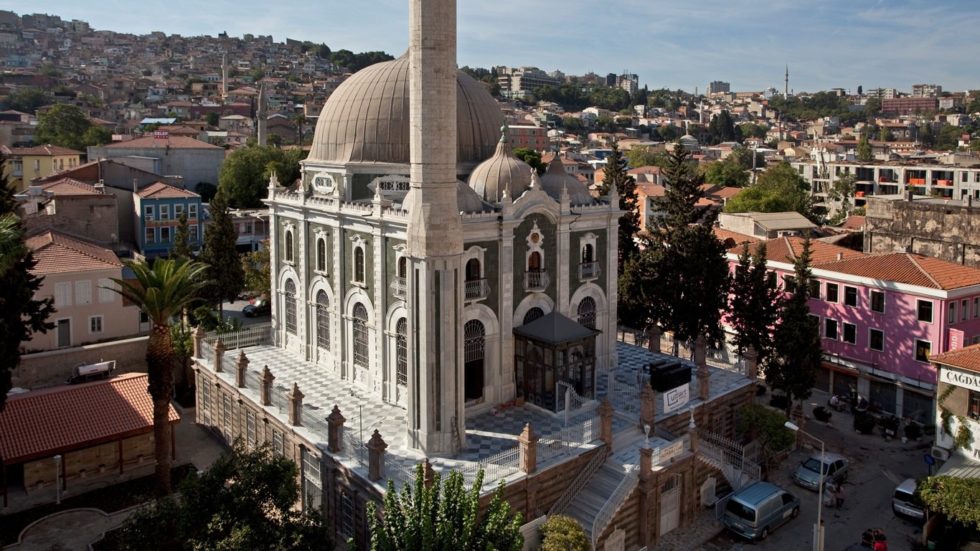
x=569 y=401
x=495 y=467
x=398 y=287
x=354 y=448
x=536 y=281
x=588 y=270
x=477 y=289
x=583 y=478
x=250 y=336
x=616 y=499
x=565 y=441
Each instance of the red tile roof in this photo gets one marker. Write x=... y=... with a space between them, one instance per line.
x=45 y=422
x=967 y=358
x=912 y=269
x=724 y=235
x=173 y=142
x=854 y=222
x=42 y=151
x=70 y=187
x=57 y=253
x=161 y=190
x=786 y=249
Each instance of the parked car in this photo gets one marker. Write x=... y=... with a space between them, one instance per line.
x=905 y=503
x=807 y=474
x=258 y=308
x=756 y=510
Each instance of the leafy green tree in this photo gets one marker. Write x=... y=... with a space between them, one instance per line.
x=572 y=124
x=779 y=189
x=669 y=132
x=974 y=106
x=842 y=191
x=224 y=265
x=767 y=427
x=644 y=156
x=212 y=119
x=752 y=130
x=949 y=137
x=443 y=516
x=245 y=500
x=21 y=312
x=727 y=172
x=754 y=304
x=182 y=235
x=796 y=356
x=957 y=498
x=96 y=135
x=162 y=292
x=615 y=174
x=27 y=100
x=864 y=153
x=244 y=176
x=925 y=135
x=680 y=280
x=256 y=266
x=531 y=157
x=64 y=125
x=563 y=533
x=884 y=134
x=722 y=129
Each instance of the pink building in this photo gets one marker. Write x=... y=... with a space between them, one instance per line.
x=881 y=317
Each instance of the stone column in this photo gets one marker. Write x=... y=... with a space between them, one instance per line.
x=605 y=423
x=653 y=338
x=692 y=431
x=335 y=430
x=528 y=442
x=198 y=340
x=428 y=475
x=704 y=376
x=295 y=406
x=648 y=499
x=751 y=358
x=241 y=367
x=219 y=355
x=376 y=456
x=648 y=406
x=265 y=391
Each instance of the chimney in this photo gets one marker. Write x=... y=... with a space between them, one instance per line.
x=100 y=186
x=909 y=195
x=840 y=256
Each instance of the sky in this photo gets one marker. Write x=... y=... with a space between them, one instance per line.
x=668 y=43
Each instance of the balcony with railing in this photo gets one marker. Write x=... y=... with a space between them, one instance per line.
x=536 y=280
x=588 y=270
x=398 y=287
x=477 y=289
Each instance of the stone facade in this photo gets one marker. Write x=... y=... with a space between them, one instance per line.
x=943 y=229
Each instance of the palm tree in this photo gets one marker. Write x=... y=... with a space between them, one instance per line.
x=162 y=291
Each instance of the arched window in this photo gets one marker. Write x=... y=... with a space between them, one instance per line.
x=289 y=246
x=289 y=298
x=534 y=262
x=474 y=344
x=588 y=253
x=401 y=352
x=322 y=320
x=586 y=312
x=321 y=255
x=360 y=334
x=533 y=314
x=473 y=271
x=359 y=264
x=402 y=267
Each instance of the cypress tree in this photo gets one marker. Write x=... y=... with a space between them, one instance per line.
x=615 y=174
x=754 y=304
x=224 y=264
x=182 y=246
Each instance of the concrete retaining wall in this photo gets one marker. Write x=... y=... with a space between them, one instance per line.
x=53 y=367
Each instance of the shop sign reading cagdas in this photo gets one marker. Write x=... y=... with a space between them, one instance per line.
x=958 y=378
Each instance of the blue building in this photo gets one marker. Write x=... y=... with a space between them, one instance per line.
x=158 y=207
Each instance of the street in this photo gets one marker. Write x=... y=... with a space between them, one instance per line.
x=876 y=468
x=234 y=310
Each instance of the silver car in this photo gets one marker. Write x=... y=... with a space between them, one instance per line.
x=905 y=503
x=807 y=474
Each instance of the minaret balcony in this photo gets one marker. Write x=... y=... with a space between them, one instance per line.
x=536 y=281
x=477 y=289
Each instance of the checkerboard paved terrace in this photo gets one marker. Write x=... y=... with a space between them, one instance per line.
x=491 y=437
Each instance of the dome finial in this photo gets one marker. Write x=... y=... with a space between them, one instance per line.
x=503 y=133
x=535 y=180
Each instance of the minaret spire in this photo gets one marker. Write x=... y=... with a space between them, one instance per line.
x=786 y=83
x=262 y=118
x=224 y=77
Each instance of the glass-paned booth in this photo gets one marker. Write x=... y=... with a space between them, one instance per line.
x=550 y=350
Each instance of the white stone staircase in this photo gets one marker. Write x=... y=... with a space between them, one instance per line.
x=595 y=495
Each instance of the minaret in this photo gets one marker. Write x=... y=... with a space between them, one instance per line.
x=262 y=118
x=224 y=77
x=435 y=244
x=786 y=84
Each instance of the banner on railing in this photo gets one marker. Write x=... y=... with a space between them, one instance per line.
x=677 y=398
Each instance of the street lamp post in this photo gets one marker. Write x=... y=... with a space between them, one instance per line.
x=57 y=479
x=818 y=527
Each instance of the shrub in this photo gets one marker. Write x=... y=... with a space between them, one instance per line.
x=563 y=533
x=913 y=430
x=822 y=414
x=779 y=401
x=864 y=423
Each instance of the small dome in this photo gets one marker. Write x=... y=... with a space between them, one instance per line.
x=366 y=119
x=556 y=178
x=501 y=172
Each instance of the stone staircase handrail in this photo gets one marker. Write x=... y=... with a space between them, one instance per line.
x=583 y=478
x=616 y=499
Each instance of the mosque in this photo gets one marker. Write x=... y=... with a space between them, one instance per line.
x=436 y=300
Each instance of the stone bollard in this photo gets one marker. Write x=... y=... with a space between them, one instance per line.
x=428 y=475
x=653 y=338
x=751 y=359
x=646 y=463
x=335 y=430
x=240 y=369
x=198 y=340
x=704 y=375
x=692 y=431
x=648 y=406
x=605 y=423
x=376 y=456
x=528 y=443
x=219 y=355
x=295 y=406
x=265 y=393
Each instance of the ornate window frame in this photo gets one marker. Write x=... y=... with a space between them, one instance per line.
x=535 y=243
x=320 y=236
x=289 y=243
x=358 y=243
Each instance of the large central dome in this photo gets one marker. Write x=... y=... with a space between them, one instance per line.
x=366 y=119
